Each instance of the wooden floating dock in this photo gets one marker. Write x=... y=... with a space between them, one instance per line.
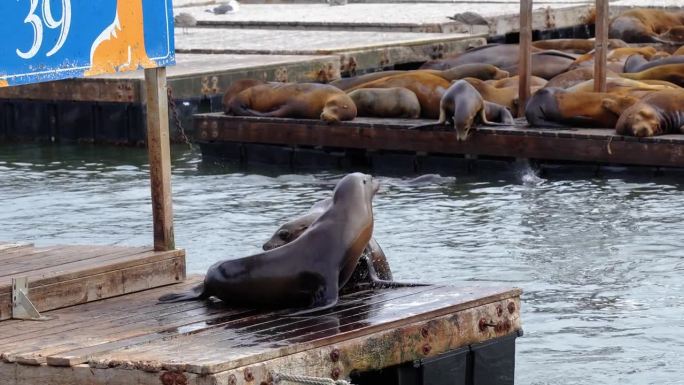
x=284 y=140
x=60 y=276
x=133 y=340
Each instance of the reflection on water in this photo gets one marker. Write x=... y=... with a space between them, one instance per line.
x=600 y=260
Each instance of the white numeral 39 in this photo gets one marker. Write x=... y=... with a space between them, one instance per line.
x=37 y=23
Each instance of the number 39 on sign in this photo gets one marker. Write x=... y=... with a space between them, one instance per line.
x=57 y=39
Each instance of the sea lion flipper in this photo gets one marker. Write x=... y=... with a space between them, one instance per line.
x=196 y=293
x=329 y=303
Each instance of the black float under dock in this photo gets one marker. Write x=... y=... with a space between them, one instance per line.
x=302 y=142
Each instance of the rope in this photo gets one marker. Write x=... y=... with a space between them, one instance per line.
x=278 y=377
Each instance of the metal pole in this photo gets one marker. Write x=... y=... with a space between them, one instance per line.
x=160 y=158
x=601 y=46
x=525 y=51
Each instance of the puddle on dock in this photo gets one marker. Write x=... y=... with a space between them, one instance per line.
x=600 y=259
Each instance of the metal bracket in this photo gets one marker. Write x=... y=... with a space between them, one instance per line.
x=22 y=308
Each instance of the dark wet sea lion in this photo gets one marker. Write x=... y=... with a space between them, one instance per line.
x=427 y=87
x=294 y=100
x=645 y=25
x=386 y=102
x=580 y=46
x=556 y=107
x=572 y=77
x=658 y=113
x=235 y=88
x=463 y=107
x=295 y=275
x=673 y=73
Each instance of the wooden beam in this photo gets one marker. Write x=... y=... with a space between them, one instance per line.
x=160 y=157
x=601 y=46
x=525 y=60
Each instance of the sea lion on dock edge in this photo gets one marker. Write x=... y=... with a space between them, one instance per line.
x=294 y=100
x=373 y=265
x=386 y=102
x=294 y=275
x=658 y=113
x=235 y=88
x=463 y=107
x=556 y=107
x=645 y=25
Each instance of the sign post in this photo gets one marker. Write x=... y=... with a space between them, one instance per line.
x=60 y=39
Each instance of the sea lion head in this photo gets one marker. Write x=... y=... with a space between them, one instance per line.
x=289 y=231
x=355 y=186
x=337 y=108
x=639 y=120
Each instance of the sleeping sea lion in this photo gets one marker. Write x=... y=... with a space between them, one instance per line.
x=556 y=107
x=673 y=73
x=637 y=66
x=290 y=100
x=427 y=87
x=572 y=77
x=645 y=25
x=658 y=113
x=580 y=46
x=463 y=107
x=235 y=88
x=615 y=59
x=679 y=51
x=514 y=81
x=386 y=102
x=621 y=86
x=294 y=275
x=505 y=96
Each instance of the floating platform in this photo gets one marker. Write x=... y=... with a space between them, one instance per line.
x=502 y=16
x=368 y=142
x=465 y=331
x=60 y=276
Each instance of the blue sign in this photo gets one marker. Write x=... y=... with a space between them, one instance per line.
x=45 y=40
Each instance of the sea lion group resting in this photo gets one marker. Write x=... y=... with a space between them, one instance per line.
x=308 y=260
x=480 y=85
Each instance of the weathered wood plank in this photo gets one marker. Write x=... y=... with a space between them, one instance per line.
x=4 y=247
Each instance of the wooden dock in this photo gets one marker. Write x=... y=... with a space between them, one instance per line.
x=284 y=141
x=134 y=340
x=60 y=276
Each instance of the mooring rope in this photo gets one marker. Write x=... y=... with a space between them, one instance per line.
x=278 y=377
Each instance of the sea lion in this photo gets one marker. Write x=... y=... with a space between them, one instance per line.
x=427 y=87
x=638 y=66
x=235 y=88
x=514 y=81
x=505 y=96
x=679 y=51
x=658 y=113
x=580 y=46
x=616 y=58
x=556 y=107
x=294 y=100
x=572 y=77
x=673 y=73
x=294 y=275
x=386 y=102
x=373 y=266
x=621 y=86
x=645 y=25
x=463 y=107
x=476 y=70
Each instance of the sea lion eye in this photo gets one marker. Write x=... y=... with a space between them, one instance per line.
x=284 y=234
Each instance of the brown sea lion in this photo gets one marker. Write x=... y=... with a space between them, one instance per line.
x=673 y=73
x=580 y=46
x=294 y=100
x=386 y=102
x=373 y=266
x=235 y=88
x=645 y=25
x=572 y=77
x=621 y=86
x=616 y=58
x=514 y=81
x=658 y=113
x=462 y=107
x=427 y=87
x=294 y=275
x=478 y=70
x=679 y=51
x=556 y=107
x=505 y=96
x=636 y=66
x=660 y=55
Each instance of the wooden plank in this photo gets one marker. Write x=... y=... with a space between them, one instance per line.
x=14 y=246
x=592 y=145
x=33 y=253
x=601 y=45
x=525 y=52
x=160 y=157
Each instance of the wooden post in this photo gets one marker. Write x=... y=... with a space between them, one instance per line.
x=525 y=52
x=160 y=157
x=601 y=46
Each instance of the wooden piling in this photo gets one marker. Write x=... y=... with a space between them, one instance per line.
x=160 y=157
x=525 y=61
x=601 y=46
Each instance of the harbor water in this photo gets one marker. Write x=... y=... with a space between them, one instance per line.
x=600 y=259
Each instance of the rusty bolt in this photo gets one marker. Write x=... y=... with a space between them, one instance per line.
x=499 y=310
x=483 y=324
x=167 y=378
x=511 y=307
x=335 y=373
x=232 y=380
x=249 y=377
x=335 y=355
x=426 y=349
